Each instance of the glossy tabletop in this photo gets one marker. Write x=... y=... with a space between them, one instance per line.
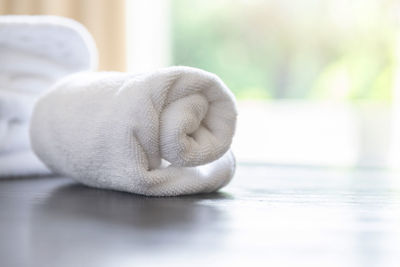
x=268 y=216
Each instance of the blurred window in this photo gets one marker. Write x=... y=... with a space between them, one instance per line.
x=315 y=80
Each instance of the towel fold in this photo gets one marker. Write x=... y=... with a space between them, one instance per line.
x=162 y=133
x=35 y=51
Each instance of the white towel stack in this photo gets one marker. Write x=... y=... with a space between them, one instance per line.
x=162 y=133
x=35 y=51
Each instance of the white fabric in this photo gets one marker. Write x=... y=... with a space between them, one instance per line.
x=162 y=133
x=35 y=51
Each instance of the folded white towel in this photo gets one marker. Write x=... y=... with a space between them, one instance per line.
x=35 y=51
x=162 y=133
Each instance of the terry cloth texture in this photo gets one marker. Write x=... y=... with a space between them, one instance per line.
x=35 y=51
x=162 y=133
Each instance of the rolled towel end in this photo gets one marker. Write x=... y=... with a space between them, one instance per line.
x=198 y=120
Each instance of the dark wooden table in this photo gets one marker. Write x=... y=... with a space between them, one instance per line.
x=268 y=216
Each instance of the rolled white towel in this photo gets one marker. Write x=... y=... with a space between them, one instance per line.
x=35 y=51
x=162 y=133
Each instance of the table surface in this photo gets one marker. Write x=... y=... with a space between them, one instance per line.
x=268 y=216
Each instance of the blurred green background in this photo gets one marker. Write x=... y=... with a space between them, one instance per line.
x=282 y=49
